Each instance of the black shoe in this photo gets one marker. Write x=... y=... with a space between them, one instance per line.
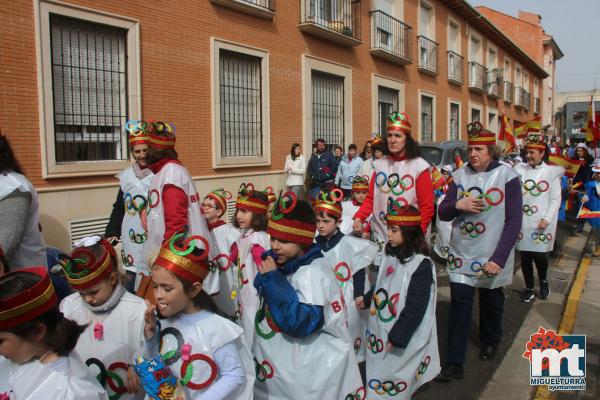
x=526 y=295
x=487 y=353
x=544 y=290
x=450 y=372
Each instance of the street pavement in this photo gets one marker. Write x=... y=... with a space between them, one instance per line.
x=507 y=375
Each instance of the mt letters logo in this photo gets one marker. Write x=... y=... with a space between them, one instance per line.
x=556 y=360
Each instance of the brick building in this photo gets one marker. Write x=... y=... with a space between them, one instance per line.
x=527 y=32
x=242 y=80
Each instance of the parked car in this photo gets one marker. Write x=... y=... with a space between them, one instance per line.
x=440 y=154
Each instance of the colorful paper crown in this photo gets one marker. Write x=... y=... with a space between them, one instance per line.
x=398 y=121
x=477 y=136
x=291 y=230
x=360 y=183
x=377 y=139
x=535 y=141
x=402 y=215
x=162 y=134
x=137 y=132
x=177 y=255
x=83 y=269
x=30 y=303
x=220 y=196
x=330 y=203
x=247 y=200
x=271 y=196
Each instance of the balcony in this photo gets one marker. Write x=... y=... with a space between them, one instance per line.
x=334 y=20
x=494 y=80
x=259 y=8
x=508 y=92
x=526 y=100
x=390 y=38
x=455 y=68
x=428 y=59
x=536 y=105
x=519 y=96
x=477 y=77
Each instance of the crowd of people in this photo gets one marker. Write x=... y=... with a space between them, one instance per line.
x=325 y=290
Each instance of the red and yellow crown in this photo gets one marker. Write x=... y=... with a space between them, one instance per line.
x=177 y=255
x=137 y=132
x=377 y=139
x=360 y=184
x=162 y=134
x=220 y=196
x=535 y=141
x=478 y=136
x=247 y=200
x=398 y=121
x=271 y=196
x=402 y=216
x=284 y=228
x=84 y=269
x=30 y=303
x=330 y=203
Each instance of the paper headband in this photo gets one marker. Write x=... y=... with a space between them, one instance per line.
x=477 y=135
x=398 y=121
x=291 y=230
x=181 y=260
x=247 y=200
x=85 y=270
x=330 y=203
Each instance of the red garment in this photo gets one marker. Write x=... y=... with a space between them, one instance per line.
x=424 y=189
x=157 y=166
x=217 y=224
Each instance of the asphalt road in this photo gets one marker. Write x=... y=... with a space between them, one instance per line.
x=477 y=372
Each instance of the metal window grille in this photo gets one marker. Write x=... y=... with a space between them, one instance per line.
x=241 y=104
x=89 y=85
x=328 y=108
x=454 y=121
x=426 y=119
x=387 y=103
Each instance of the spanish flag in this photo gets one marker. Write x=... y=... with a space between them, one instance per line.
x=521 y=129
x=585 y=212
x=458 y=161
x=592 y=131
x=571 y=166
x=506 y=134
x=437 y=179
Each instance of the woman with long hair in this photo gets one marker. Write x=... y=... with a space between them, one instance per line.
x=295 y=168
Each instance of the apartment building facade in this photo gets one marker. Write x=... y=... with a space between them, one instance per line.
x=242 y=80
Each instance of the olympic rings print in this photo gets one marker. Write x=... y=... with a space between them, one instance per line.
x=108 y=376
x=187 y=370
x=471 y=229
x=360 y=394
x=489 y=197
x=380 y=305
x=541 y=237
x=134 y=204
x=423 y=367
x=342 y=272
x=242 y=280
x=171 y=356
x=222 y=266
x=284 y=204
x=535 y=188
x=374 y=344
x=529 y=210
x=127 y=259
x=264 y=370
x=153 y=198
x=392 y=182
x=265 y=315
x=454 y=262
x=395 y=205
x=387 y=387
x=137 y=238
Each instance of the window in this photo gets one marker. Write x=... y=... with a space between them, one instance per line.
x=493 y=121
x=475 y=115
x=518 y=76
x=387 y=102
x=328 y=108
x=454 y=121
x=90 y=64
x=475 y=49
x=453 y=36
x=426 y=118
x=240 y=98
x=507 y=70
x=426 y=20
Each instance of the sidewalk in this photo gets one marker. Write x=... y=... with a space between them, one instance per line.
x=511 y=378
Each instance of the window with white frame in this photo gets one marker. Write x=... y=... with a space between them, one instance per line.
x=426 y=20
x=493 y=121
x=241 y=130
x=518 y=76
x=453 y=36
x=328 y=108
x=387 y=101
x=426 y=118
x=454 y=121
x=89 y=63
x=507 y=70
x=475 y=48
x=475 y=115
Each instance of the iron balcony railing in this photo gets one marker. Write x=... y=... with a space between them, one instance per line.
x=519 y=96
x=259 y=8
x=428 y=58
x=494 y=80
x=526 y=99
x=266 y=4
x=508 y=92
x=476 y=76
x=340 y=16
x=536 y=105
x=455 y=67
x=390 y=35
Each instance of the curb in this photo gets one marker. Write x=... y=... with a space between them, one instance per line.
x=569 y=316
